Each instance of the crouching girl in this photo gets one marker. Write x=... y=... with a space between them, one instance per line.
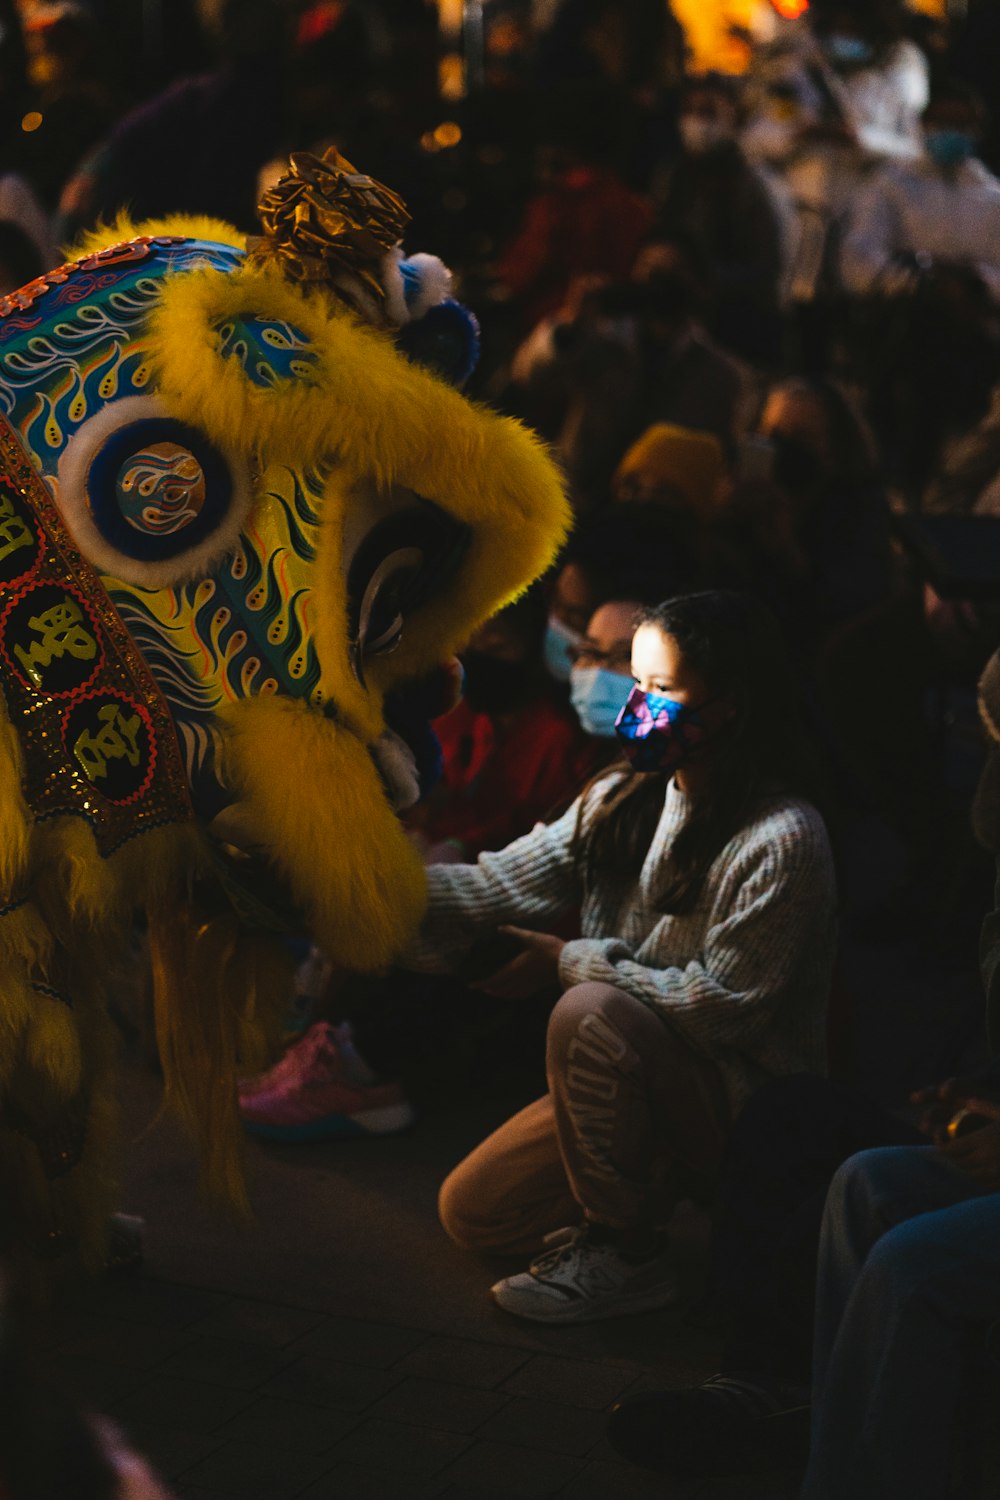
x=705 y=882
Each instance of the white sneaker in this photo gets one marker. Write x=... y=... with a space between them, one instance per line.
x=581 y=1281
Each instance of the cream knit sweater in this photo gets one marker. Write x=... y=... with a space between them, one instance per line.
x=744 y=978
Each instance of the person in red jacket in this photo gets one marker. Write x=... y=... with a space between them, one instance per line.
x=512 y=752
x=582 y=220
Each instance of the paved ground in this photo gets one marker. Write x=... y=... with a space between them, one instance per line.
x=340 y=1348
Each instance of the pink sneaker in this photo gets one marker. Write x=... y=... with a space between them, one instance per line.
x=322 y=1037
x=321 y=1090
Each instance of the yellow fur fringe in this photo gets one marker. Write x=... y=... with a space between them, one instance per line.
x=123 y=227
x=15 y=818
x=58 y=1206
x=220 y=995
x=335 y=838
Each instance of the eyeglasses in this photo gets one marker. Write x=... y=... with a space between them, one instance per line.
x=618 y=659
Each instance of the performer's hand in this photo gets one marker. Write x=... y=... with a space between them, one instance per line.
x=977 y=1154
x=532 y=971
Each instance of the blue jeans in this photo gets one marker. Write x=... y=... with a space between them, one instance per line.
x=908 y=1280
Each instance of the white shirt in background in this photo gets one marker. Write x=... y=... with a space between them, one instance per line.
x=915 y=206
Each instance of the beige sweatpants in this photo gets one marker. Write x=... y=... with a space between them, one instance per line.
x=633 y=1118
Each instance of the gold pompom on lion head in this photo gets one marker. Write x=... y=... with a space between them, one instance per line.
x=324 y=221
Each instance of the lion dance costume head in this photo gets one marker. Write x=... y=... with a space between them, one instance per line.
x=241 y=502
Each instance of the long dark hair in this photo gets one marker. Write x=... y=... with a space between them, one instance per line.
x=734 y=643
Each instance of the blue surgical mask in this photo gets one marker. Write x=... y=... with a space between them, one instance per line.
x=850 y=51
x=558 y=648
x=598 y=696
x=949 y=148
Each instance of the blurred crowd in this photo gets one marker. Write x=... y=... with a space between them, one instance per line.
x=643 y=243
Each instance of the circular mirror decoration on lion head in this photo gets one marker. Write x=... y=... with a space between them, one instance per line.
x=148 y=498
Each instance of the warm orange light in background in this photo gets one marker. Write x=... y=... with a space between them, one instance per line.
x=31 y=121
x=718 y=33
x=451 y=76
x=710 y=26
x=448 y=133
x=450 y=13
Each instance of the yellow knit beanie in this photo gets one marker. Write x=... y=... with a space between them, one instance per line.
x=690 y=462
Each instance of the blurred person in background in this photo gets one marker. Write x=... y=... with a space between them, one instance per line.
x=686 y=378
x=511 y=751
x=976 y=56
x=841 y=89
x=14 y=87
x=675 y=467
x=20 y=261
x=797 y=517
x=939 y=210
x=617 y=358
x=21 y=211
x=197 y=147
x=922 y=261
x=803 y=524
x=715 y=205
x=331 y=62
x=635 y=51
x=684 y=476
x=601 y=675
x=966 y=480
x=15 y=99
x=836 y=94
x=823 y=460
x=921 y=255
x=930 y=360
x=76 y=99
x=582 y=220
x=19 y=198
x=636 y=46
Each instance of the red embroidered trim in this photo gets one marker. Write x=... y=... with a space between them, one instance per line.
x=114 y=255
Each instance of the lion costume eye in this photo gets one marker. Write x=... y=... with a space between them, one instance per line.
x=380 y=623
x=149 y=499
x=394 y=567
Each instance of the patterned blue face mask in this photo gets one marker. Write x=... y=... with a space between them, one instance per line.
x=659 y=733
x=949 y=148
x=558 y=648
x=597 y=696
